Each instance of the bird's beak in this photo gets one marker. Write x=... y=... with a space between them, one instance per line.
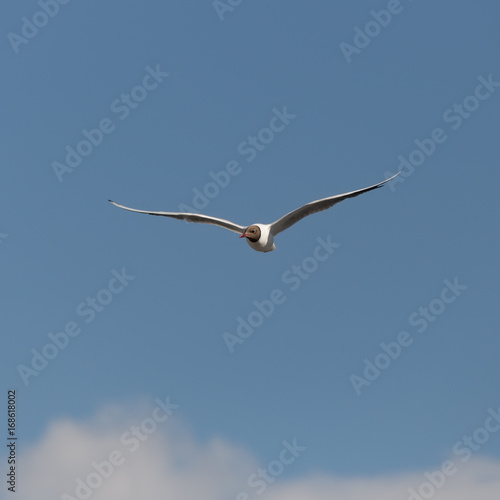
x=243 y=235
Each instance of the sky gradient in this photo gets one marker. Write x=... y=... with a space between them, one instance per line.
x=369 y=336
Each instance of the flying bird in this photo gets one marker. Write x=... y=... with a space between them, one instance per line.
x=261 y=236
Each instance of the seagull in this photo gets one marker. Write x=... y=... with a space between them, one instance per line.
x=261 y=236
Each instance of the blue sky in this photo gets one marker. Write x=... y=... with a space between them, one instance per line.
x=172 y=94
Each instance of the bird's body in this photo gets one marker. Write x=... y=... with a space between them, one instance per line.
x=264 y=240
x=261 y=236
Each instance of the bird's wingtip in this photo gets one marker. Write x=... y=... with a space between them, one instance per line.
x=390 y=178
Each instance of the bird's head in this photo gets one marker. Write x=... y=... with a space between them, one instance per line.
x=252 y=233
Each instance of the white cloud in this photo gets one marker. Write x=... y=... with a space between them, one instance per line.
x=170 y=463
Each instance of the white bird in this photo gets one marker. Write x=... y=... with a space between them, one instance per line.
x=261 y=236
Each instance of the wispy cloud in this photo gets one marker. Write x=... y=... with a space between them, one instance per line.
x=170 y=463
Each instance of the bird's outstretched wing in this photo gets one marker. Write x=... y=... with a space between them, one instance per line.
x=317 y=206
x=203 y=219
